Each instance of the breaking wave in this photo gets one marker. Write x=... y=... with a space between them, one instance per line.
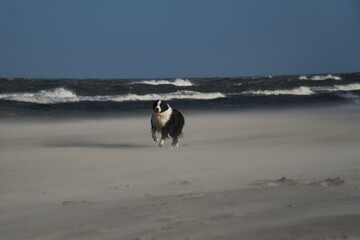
x=295 y=91
x=58 y=95
x=339 y=88
x=349 y=87
x=61 y=95
x=177 y=82
x=303 y=78
x=184 y=94
x=320 y=78
x=303 y=90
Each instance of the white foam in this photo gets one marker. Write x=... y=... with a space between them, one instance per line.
x=303 y=78
x=348 y=87
x=322 y=78
x=177 y=82
x=58 y=95
x=306 y=90
x=61 y=95
x=339 y=88
x=295 y=91
x=184 y=94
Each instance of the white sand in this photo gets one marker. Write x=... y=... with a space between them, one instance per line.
x=286 y=174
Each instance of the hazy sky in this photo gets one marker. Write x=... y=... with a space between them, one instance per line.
x=177 y=38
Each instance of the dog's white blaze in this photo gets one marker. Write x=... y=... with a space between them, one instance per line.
x=158 y=105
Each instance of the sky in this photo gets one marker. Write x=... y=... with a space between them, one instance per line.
x=173 y=38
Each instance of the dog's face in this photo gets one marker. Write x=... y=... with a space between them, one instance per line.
x=160 y=106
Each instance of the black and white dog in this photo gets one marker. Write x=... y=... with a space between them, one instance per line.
x=166 y=121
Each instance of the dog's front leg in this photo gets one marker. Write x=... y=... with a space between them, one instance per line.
x=153 y=131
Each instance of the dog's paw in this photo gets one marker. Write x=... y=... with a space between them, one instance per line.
x=161 y=143
x=175 y=146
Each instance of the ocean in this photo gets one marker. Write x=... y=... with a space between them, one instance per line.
x=21 y=97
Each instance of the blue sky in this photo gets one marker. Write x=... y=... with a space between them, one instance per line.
x=173 y=38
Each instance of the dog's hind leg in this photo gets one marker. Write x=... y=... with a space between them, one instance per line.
x=153 y=134
x=164 y=135
x=175 y=142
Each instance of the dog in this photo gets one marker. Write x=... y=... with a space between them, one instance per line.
x=167 y=121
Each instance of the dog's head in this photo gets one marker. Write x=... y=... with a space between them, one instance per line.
x=160 y=106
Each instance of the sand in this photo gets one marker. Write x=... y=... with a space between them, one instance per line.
x=264 y=174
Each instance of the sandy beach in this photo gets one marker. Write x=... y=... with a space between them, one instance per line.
x=260 y=174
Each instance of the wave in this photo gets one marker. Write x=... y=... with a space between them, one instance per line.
x=58 y=95
x=61 y=95
x=177 y=82
x=348 y=87
x=184 y=94
x=295 y=91
x=303 y=90
x=339 y=88
x=303 y=78
x=320 y=78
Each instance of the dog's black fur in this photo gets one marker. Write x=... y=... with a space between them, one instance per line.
x=167 y=121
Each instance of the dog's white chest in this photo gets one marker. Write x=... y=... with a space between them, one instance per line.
x=160 y=120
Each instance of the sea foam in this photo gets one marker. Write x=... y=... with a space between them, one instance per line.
x=58 y=95
x=177 y=82
x=339 y=88
x=61 y=95
x=185 y=94
x=348 y=87
x=295 y=91
x=327 y=77
x=303 y=77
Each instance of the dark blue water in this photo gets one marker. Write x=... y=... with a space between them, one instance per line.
x=82 y=97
